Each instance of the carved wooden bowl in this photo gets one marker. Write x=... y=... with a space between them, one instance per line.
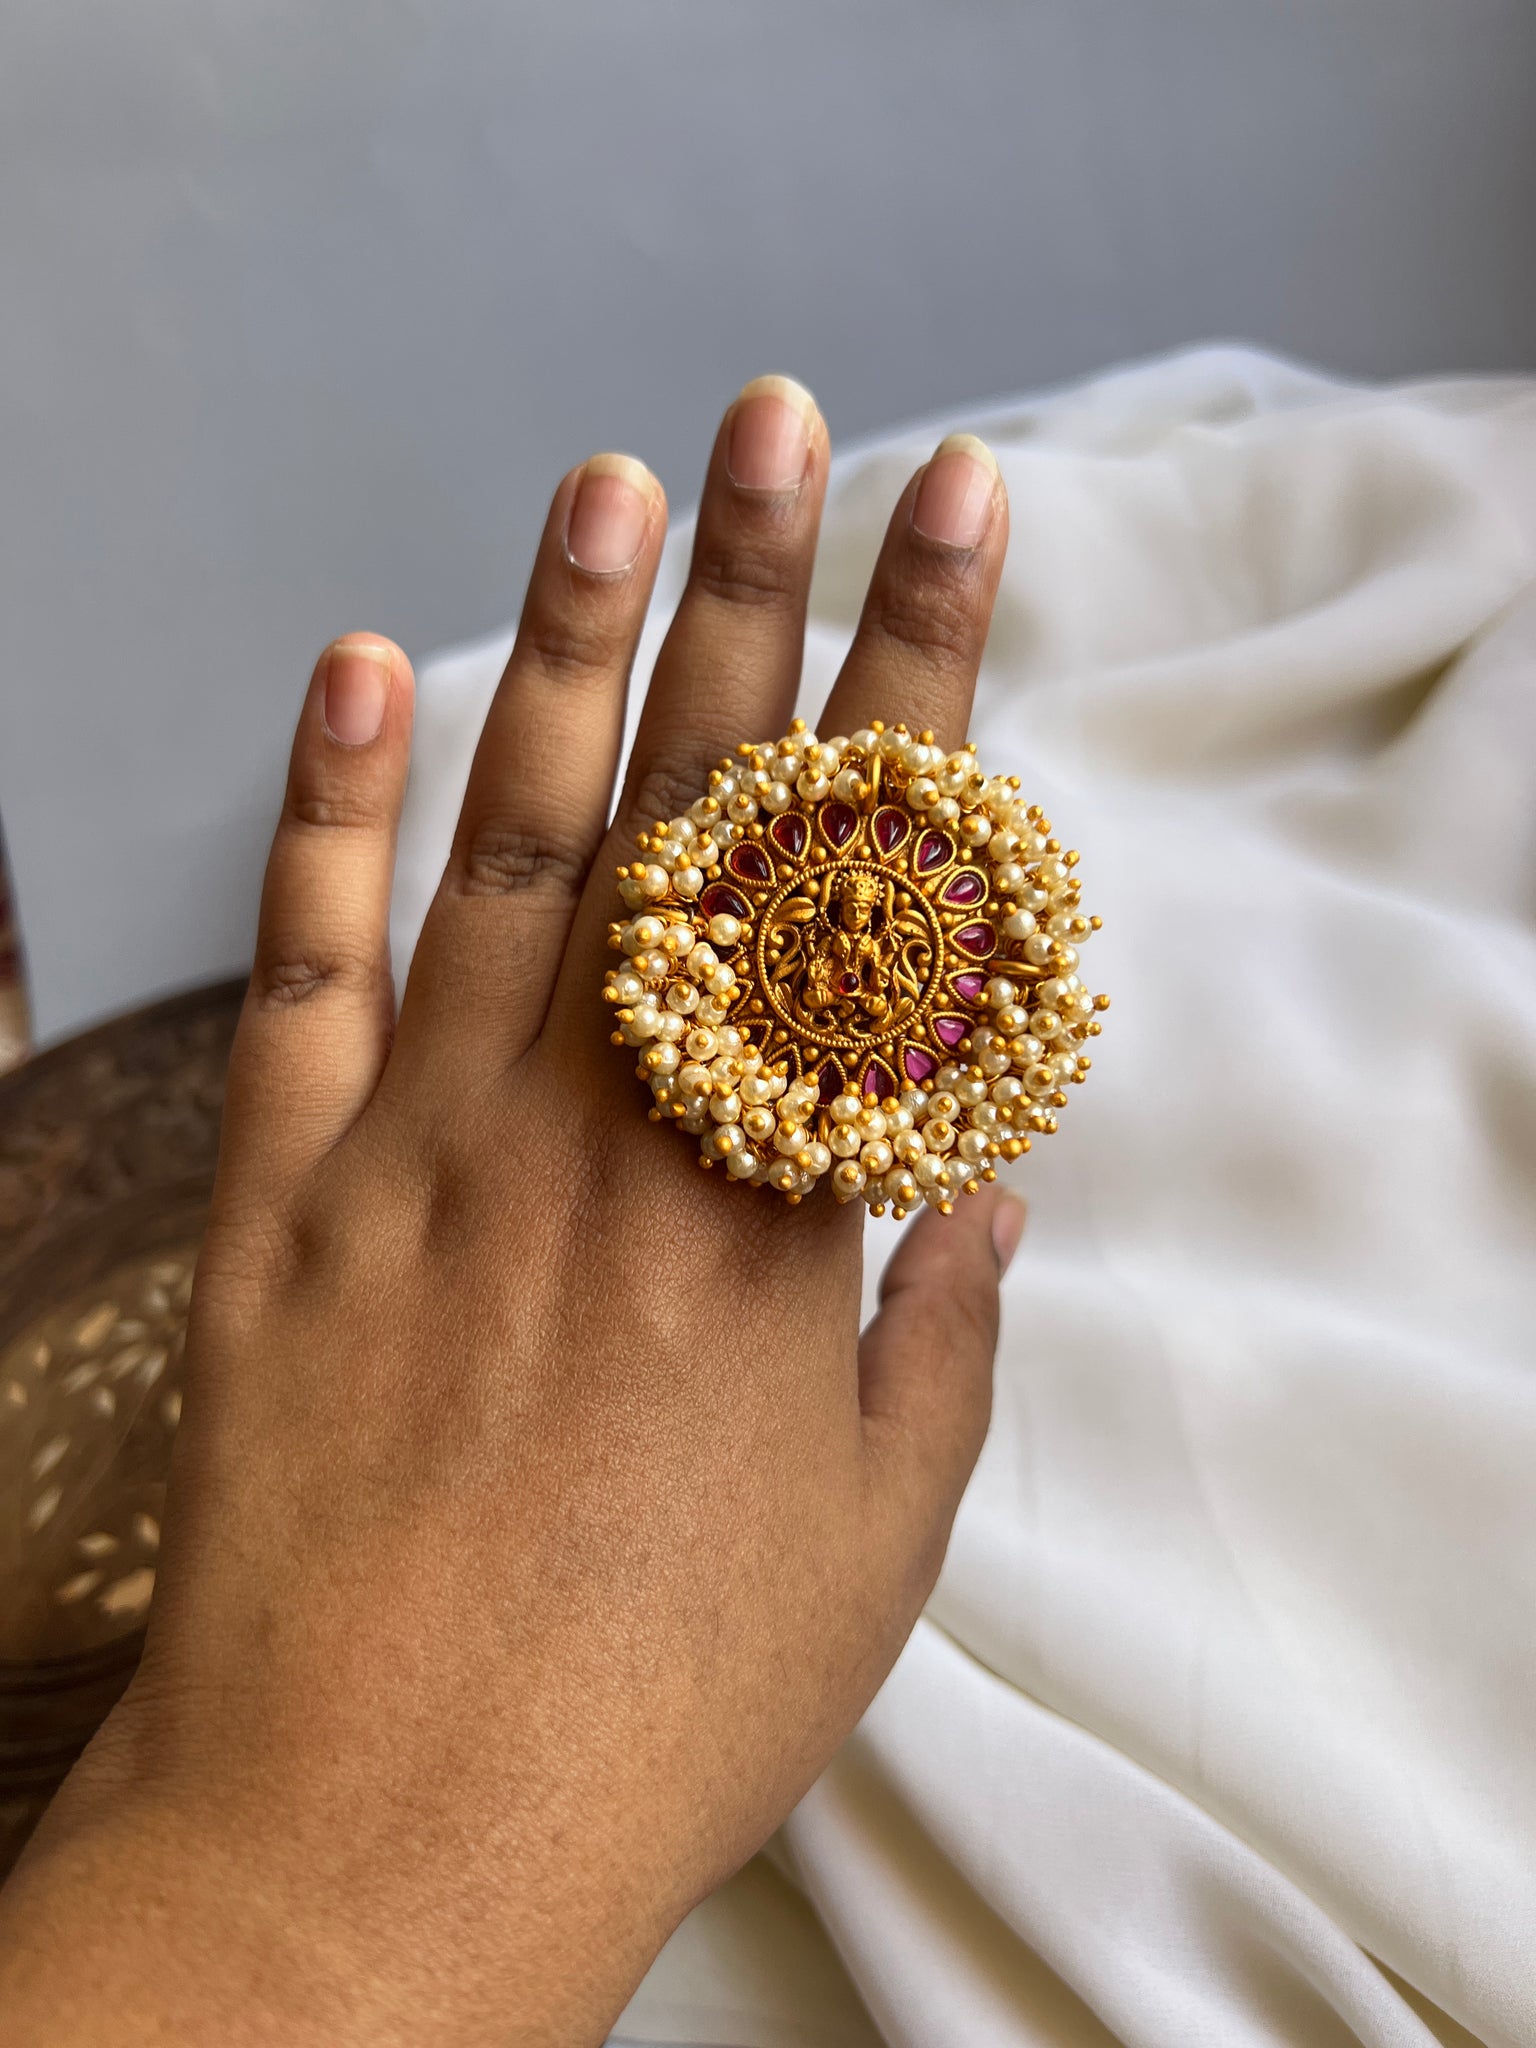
x=107 y=1151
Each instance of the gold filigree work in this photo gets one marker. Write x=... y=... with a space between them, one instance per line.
x=856 y=958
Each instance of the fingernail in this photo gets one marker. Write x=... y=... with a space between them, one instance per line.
x=771 y=428
x=1007 y=1229
x=356 y=690
x=612 y=508
x=954 y=500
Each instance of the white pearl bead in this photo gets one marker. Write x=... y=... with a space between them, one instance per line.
x=945 y=811
x=899 y=1187
x=1019 y=924
x=815 y=1158
x=1045 y=1024
x=627 y=988
x=972 y=1146
x=847 y=1179
x=683 y=997
x=926 y=1171
x=1008 y=1090
x=741 y=1163
x=1000 y=991
x=871 y=1121
x=789 y=1138
x=1012 y=1020
x=812 y=787
x=845 y=1108
x=720 y=980
x=1038 y=949
x=876 y=1157
x=845 y=1140
x=939 y=1135
x=759 y=1124
x=663 y=1059
x=726 y=1109
x=645 y=1020
x=724 y=1140
x=975 y=830
x=724 y=929
x=922 y=792
x=671 y=1027
x=757 y=1088
x=993 y=1060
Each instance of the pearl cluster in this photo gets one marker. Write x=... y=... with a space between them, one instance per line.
x=931 y=1116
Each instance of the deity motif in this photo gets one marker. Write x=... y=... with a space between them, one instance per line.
x=846 y=957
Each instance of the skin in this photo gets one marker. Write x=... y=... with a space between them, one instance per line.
x=540 y=1523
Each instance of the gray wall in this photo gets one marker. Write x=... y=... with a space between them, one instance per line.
x=305 y=306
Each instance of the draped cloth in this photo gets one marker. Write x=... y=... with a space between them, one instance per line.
x=1220 y=1727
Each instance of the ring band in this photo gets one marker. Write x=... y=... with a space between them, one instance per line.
x=855 y=959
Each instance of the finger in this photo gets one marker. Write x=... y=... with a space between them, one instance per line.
x=919 y=642
x=729 y=668
x=730 y=665
x=315 y=1029
x=538 y=793
x=925 y=1362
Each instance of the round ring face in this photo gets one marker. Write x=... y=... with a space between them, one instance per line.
x=855 y=959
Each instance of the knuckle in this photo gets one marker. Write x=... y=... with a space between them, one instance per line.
x=667 y=785
x=500 y=859
x=737 y=573
x=934 y=621
x=332 y=811
x=568 y=648
x=288 y=971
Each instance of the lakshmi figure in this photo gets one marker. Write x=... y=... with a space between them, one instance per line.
x=847 y=974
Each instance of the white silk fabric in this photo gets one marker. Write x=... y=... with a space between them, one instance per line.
x=1220 y=1730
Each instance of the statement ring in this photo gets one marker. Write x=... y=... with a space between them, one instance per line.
x=855 y=959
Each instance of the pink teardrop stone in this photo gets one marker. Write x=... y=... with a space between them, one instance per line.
x=968 y=987
x=966 y=887
x=976 y=939
x=950 y=1030
x=920 y=1065
x=933 y=850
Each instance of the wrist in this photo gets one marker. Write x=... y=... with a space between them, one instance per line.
x=137 y=1916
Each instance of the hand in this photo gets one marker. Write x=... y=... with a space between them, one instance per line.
x=539 y=1524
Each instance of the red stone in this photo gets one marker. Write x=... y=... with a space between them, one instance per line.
x=968 y=987
x=719 y=899
x=891 y=829
x=790 y=833
x=934 y=850
x=749 y=864
x=976 y=939
x=964 y=888
x=950 y=1030
x=839 y=822
x=921 y=1066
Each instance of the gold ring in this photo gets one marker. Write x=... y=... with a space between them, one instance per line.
x=855 y=959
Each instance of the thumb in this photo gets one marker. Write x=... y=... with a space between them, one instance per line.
x=925 y=1362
